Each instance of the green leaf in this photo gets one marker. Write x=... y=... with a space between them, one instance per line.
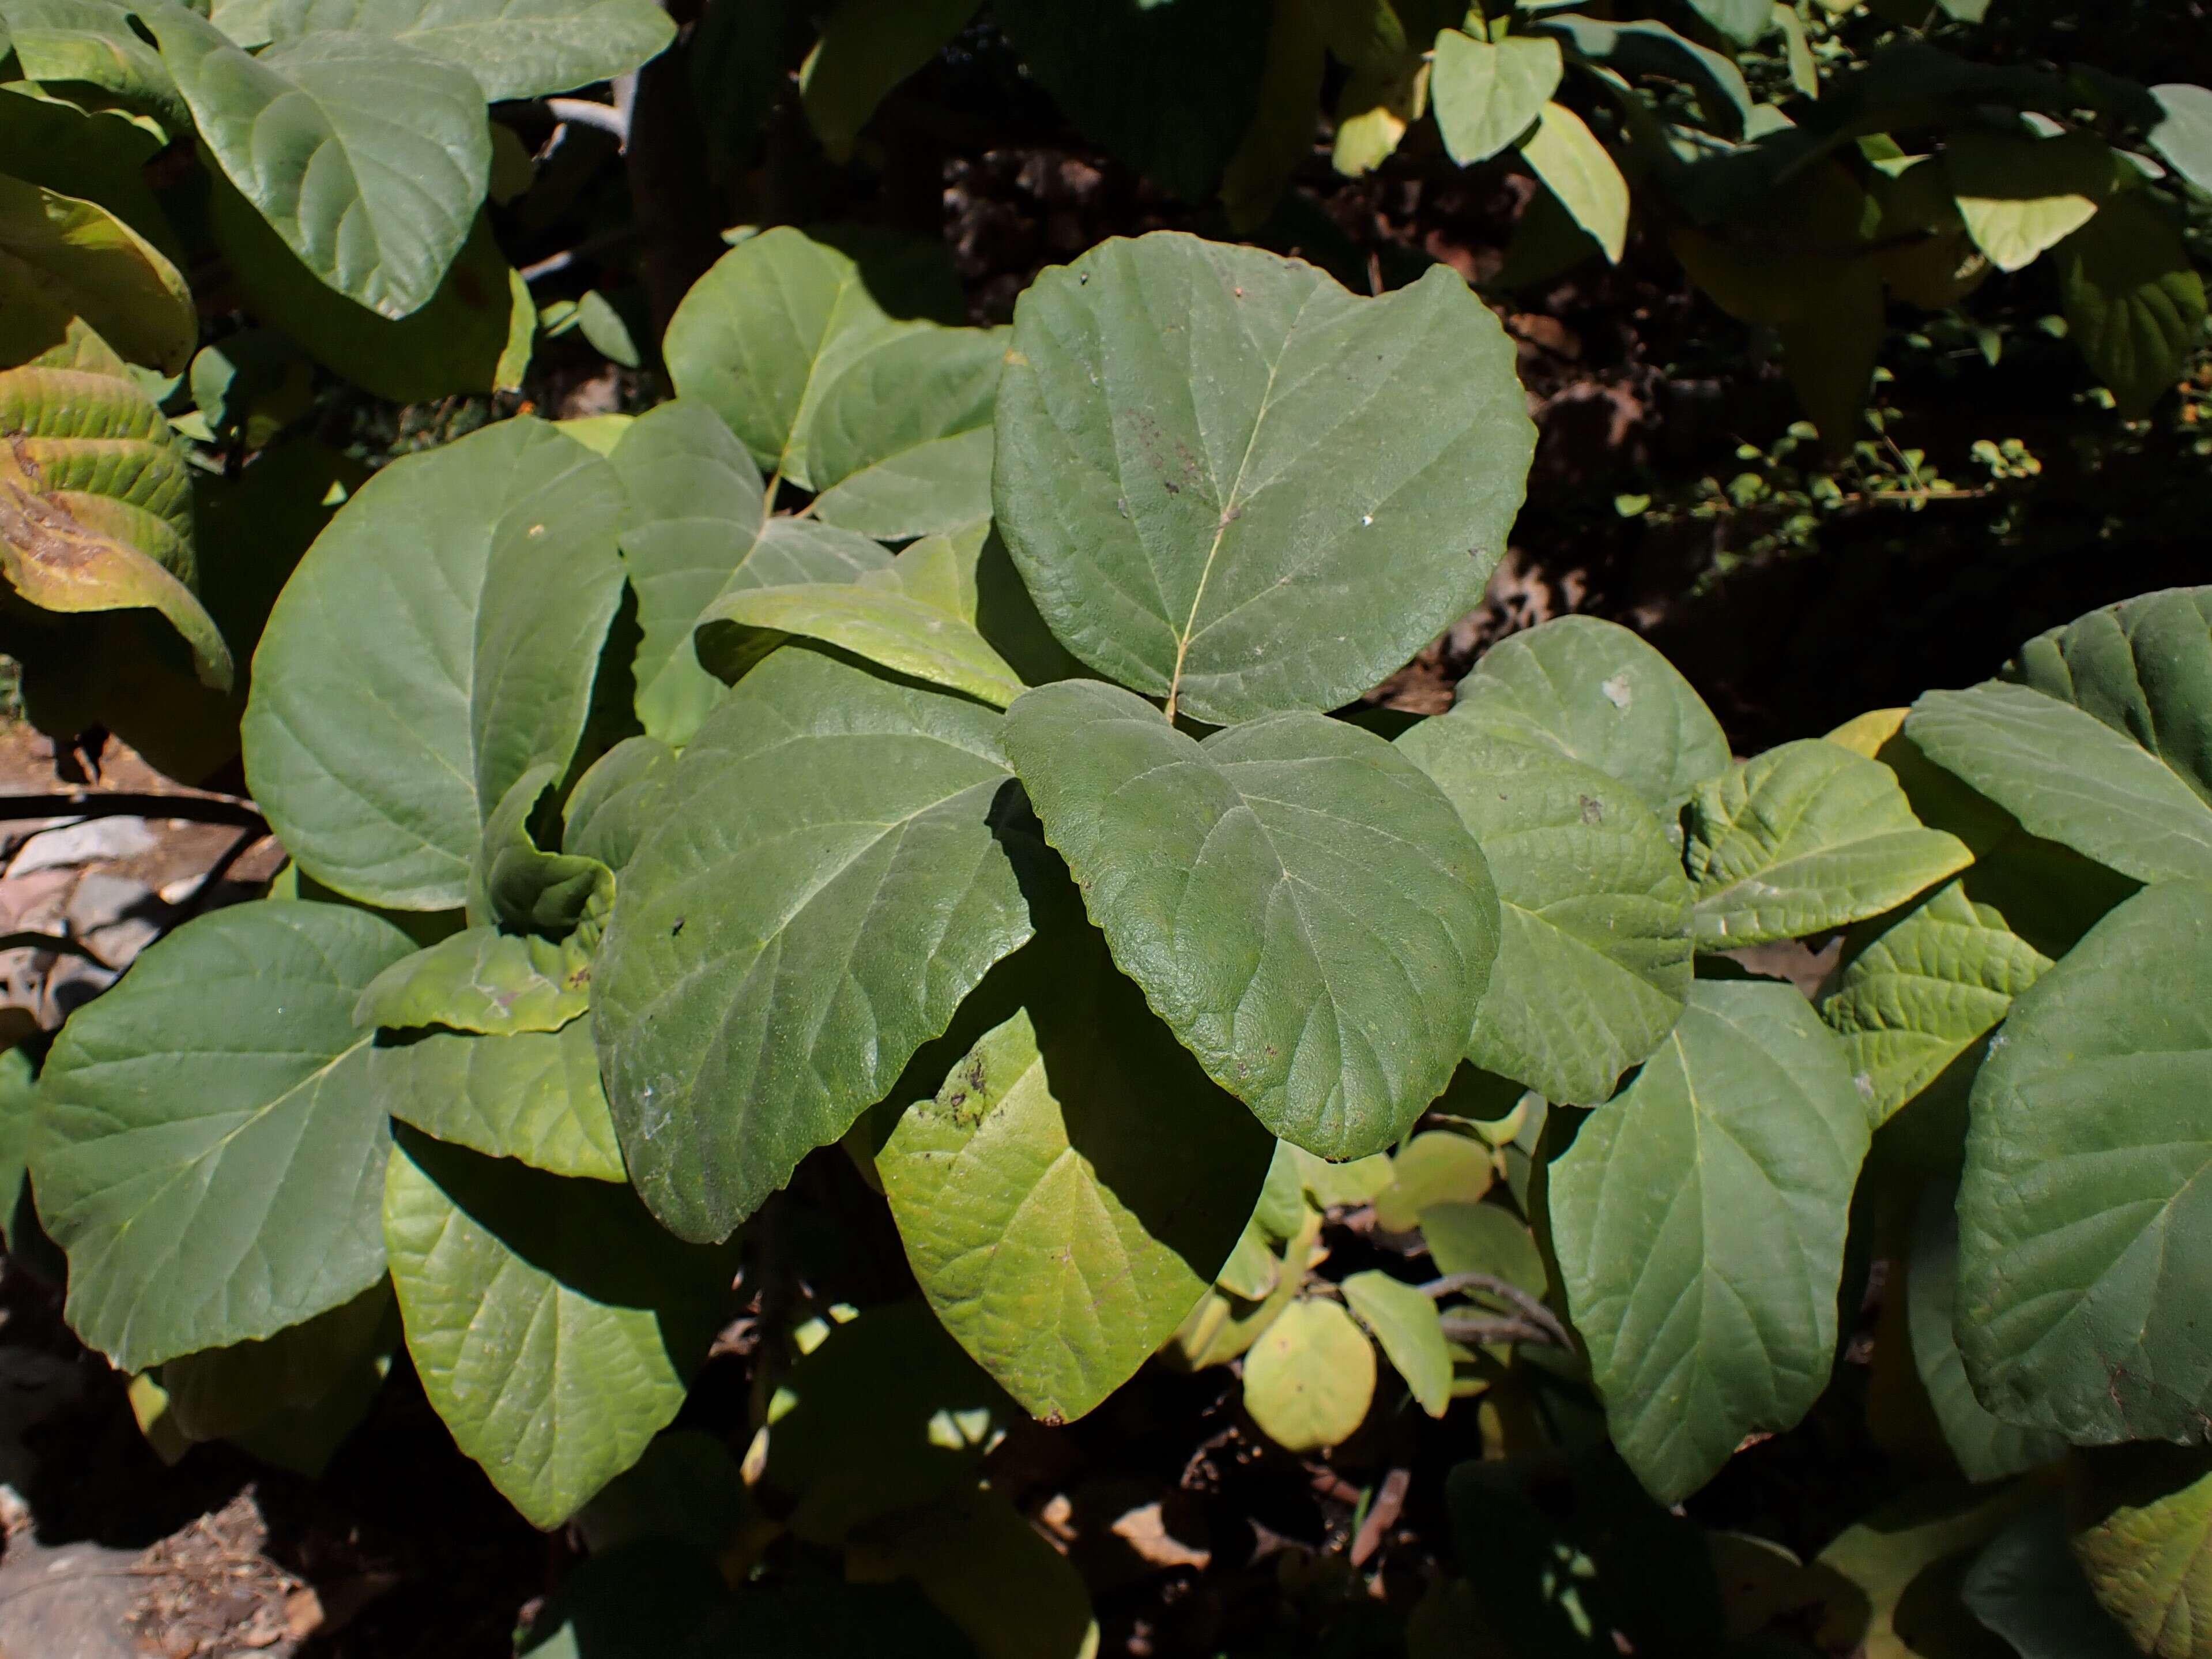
x=93 y=41
x=824 y=894
x=1645 y=47
x=2082 y=1213
x=481 y=981
x=216 y=1156
x=1280 y=139
x=993 y=1574
x=94 y=266
x=1310 y=1377
x=1597 y=693
x=369 y=157
x=1170 y=88
x=554 y=1327
x=518 y=886
x=867 y=48
x=1334 y=1186
x=2069 y=778
x=841 y=1450
x=2028 y=1588
x=1379 y=102
x=2021 y=196
x=534 y=1096
x=1915 y=1002
x=764 y=334
x=1437 y=1168
x=98 y=154
x=1594 y=954
x=1403 y=1320
x=378 y=751
x=1987 y=1448
x=1831 y=353
x=1804 y=837
x=1048 y=1234
x=1747 y=22
x=1300 y=903
x=2135 y=305
x=95 y=490
x=1483 y=1238
x=222 y=1392
x=1157 y=485
x=698 y=527
x=473 y=334
x=2183 y=137
x=901 y=443
x=514 y=48
x=1487 y=95
x=1708 y=1298
x=618 y=801
x=1892 y=1581
x=2146 y=1545
x=916 y=617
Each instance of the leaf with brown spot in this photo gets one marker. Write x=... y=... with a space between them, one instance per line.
x=95 y=495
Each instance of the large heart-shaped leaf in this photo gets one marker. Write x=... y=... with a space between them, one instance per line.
x=473 y=334
x=94 y=266
x=2138 y=797
x=1581 y=173
x=1708 y=1298
x=901 y=444
x=217 y=1158
x=2147 y=1545
x=1914 y=1003
x=761 y=336
x=1806 y=836
x=533 y=1096
x=379 y=751
x=95 y=493
x=554 y=1327
x=698 y=528
x=1047 y=1232
x=1597 y=693
x=2085 y=1213
x=916 y=617
x=1187 y=480
x=1594 y=955
x=1488 y=95
x=514 y=48
x=824 y=892
x=1300 y=903
x=1987 y=1448
x=369 y=157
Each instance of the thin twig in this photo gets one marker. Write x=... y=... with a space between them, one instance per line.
x=1532 y=1310
x=584 y=113
x=555 y=263
x=93 y=804
x=1485 y=1333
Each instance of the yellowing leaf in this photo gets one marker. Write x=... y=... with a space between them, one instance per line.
x=94 y=266
x=1310 y=1377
